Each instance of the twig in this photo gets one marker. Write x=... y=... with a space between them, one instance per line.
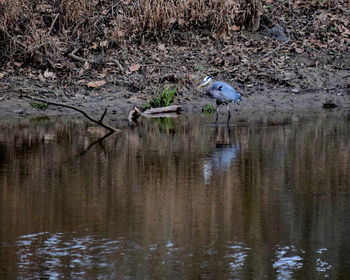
x=99 y=122
x=99 y=60
x=272 y=51
x=26 y=49
x=103 y=115
x=52 y=24
x=254 y=62
x=75 y=57
x=116 y=62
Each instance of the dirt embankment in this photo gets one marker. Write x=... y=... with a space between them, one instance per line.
x=298 y=60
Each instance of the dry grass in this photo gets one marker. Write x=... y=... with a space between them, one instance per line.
x=45 y=32
x=41 y=31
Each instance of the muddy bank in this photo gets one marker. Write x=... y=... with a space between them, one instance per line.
x=302 y=88
x=119 y=100
x=284 y=81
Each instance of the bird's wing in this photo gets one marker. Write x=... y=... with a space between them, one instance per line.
x=222 y=86
x=224 y=92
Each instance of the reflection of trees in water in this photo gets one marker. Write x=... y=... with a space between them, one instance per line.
x=286 y=187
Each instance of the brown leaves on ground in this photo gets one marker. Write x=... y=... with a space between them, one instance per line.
x=96 y=84
x=100 y=33
x=134 y=67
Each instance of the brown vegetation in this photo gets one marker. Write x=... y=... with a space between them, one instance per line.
x=46 y=32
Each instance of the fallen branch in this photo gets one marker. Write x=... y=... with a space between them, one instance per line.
x=75 y=57
x=99 y=122
x=162 y=110
x=168 y=111
x=98 y=60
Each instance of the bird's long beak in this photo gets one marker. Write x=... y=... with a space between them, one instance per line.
x=201 y=85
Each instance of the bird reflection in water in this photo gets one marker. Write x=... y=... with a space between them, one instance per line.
x=223 y=155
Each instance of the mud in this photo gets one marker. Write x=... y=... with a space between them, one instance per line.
x=306 y=83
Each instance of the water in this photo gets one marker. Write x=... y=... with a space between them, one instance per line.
x=176 y=199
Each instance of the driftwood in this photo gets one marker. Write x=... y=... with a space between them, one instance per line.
x=162 y=110
x=168 y=111
x=99 y=122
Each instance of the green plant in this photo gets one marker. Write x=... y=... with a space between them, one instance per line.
x=39 y=105
x=166 y=98
x=208 y=109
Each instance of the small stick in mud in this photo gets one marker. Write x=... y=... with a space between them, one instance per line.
x=99 y=122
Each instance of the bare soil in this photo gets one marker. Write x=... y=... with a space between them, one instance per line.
x=307 y=81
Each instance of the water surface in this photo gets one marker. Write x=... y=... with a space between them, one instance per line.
x=176 y=199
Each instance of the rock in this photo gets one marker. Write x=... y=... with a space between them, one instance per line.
x=19 y=111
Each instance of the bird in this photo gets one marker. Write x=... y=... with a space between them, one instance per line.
x=222 y=92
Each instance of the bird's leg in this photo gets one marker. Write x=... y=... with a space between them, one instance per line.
x=217 y=113
x=229 y=113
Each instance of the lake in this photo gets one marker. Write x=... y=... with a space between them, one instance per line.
x=176 y=199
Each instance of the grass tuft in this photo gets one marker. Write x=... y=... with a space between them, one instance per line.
x=166 y=98
x=39 y=105
x=208 y=109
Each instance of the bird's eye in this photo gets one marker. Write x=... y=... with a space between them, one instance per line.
x=220 y=88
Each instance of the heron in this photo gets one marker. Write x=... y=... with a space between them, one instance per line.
x=222 y=92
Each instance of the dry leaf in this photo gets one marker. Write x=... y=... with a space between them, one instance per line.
x=48 y=74
x=104 y=43
x=235 y=28
x=18 y=64
x=134 y=67
x=299 y=50
x=96 y=84
x=86 y=65
x=2 y=74
x=161 y=47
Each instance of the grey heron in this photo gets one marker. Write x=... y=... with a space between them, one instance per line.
x=222 y=92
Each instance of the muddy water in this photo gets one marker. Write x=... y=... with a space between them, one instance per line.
x=176 y=199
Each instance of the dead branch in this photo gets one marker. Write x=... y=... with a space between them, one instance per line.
x=75 y=57
x=168 y=111
x=99 y=122
x=98 y=60
x=115 y=61
x=162 y=110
